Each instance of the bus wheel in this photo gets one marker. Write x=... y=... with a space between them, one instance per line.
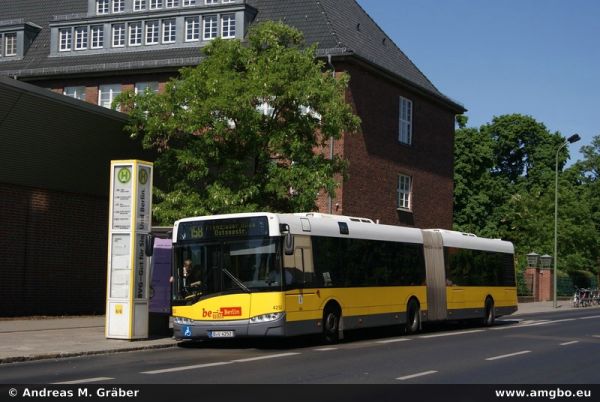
x=413 y=317
x=490 y=312
x=331 y=325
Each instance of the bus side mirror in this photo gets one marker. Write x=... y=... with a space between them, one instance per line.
x=149 y=245
x=288 y=243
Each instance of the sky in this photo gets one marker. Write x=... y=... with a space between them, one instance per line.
x=534 y=57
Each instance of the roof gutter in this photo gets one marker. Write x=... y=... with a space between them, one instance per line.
x=347 y=54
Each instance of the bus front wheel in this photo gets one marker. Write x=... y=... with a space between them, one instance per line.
x=490 y=313
x=331 y=325
x=413 y=317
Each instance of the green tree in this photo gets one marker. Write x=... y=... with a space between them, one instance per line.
x=243 y=130
x=504 y=187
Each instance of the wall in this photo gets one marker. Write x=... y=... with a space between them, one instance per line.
x=377 y=158
x=53 y=254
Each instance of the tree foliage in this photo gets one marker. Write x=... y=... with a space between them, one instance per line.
x=504 y=187
x=242 y=130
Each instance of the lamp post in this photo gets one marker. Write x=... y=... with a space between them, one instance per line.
x=546 y=261
x=533 y=259
x=570 y=140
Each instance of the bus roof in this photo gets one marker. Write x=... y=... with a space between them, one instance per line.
x=317 y=224
x=470 y=241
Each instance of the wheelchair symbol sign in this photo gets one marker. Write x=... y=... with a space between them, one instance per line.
x=187 y=332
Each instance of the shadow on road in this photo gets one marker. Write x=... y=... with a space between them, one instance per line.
x=355 y=335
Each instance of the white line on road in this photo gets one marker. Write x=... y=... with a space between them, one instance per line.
x=535 y=324
x=85 y=380
x=569 y=343
x=394 y=340
x=408 y=377
x=522 y=324
x=182 y=368
x=566 y=320
x=251 y=359
x=324 y=349
x=508 y=355
x=589 y=317
x=451 y=333
x=197 y=366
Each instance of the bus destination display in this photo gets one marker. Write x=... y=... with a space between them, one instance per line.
x=223 y=228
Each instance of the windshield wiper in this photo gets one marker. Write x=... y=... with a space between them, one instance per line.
x=236 y=280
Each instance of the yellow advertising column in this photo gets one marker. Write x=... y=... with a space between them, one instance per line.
x=127 y=295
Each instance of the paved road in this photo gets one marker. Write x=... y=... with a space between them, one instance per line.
x=551 y=348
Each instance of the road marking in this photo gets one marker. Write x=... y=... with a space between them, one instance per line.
x=508 y=355
x=85 y=380
x=589 y=317
x=408 y=377
x=595 y=336
x=565 y=320
x=451 y=333
x=251 y=359
x=569 y=343
x=523 y=324
x=182 y=368
x=393 y=340
x=544 y=322
x=325 y=349
x=197 y=366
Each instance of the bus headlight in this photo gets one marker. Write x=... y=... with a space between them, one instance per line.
x=265 y=318
x=182 y=320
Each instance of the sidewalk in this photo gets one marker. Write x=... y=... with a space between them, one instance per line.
x=48 y=338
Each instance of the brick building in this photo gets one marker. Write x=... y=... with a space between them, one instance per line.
x=401 y=163
x=54 y=183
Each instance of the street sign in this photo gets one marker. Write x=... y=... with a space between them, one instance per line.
x=127 y=300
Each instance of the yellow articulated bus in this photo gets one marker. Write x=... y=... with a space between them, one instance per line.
x=265 y=274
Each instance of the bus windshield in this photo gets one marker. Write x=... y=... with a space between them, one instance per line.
x=236 y=266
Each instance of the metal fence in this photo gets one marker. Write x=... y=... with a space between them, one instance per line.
x=564 y=285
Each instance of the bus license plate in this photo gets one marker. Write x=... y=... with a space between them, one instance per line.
x=221 y=334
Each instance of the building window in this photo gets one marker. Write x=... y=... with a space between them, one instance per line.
x=192 y=29
x=140 y=87
x=169 y=28
x=211 y=1
x=228 y=26
x=65 y=37
x=210 y=27
x=118 y=6
x=152 y=32
x=172 y=3
x=156 y=4
x=102 y=6
x=187 y=3
x=97 y=37
x=10 y=44
x=135 y=33
x=405 y=134
x=81 y=38
x=75 y=92
x=118 y=35
x=107 y=93
x=228 y=1
x=404 y=192
x=139 y=5
x=265 y=108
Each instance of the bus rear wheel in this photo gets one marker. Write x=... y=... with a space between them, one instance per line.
x=490 y=313
x=413 y=317
x=331 y=325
